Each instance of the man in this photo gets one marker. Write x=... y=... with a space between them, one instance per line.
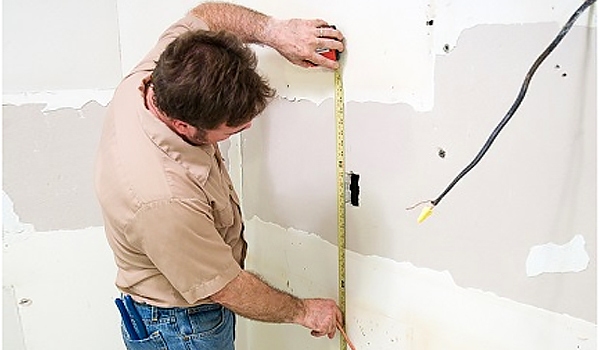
x=172 y=217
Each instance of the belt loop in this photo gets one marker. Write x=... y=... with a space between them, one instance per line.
x=154 y=313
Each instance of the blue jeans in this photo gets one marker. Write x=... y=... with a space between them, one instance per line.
x=204 y=327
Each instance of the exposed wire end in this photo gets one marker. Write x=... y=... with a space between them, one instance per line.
x=425 y=212
x=418 y=204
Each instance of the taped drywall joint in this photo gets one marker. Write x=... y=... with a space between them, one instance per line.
x=54 y=100
x=11 y=223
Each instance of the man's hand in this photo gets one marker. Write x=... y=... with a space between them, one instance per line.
x=321 y=316
x=298 y=40
x=295 y=39
x=249 y=296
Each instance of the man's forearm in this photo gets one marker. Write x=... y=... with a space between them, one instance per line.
x=249 y=25
x=295 y=39
x=247 y=295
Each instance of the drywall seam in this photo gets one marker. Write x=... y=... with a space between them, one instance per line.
x=12 y=327
x=555 y=258
x=58 y=99
x=11 y=224
x=119 y=39
x=235 y=163
x=393 y=305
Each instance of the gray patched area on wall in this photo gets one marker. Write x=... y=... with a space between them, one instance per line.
x=48 y=160
x=536 y=185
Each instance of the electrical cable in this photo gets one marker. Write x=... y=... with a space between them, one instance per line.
x=565 y=29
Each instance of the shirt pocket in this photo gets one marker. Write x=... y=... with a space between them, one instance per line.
x=223 y=214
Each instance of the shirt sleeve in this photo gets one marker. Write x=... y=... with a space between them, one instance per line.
x=187 y=23
x=180 y=238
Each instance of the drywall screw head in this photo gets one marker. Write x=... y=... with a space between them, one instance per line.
x=441 y=153
x=25 y=302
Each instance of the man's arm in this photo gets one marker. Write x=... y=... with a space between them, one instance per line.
x=249 y=296
x=295 y=39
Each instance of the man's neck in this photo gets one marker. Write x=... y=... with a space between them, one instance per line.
x=149 y=99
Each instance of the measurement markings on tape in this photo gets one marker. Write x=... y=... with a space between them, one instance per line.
x=341 y=193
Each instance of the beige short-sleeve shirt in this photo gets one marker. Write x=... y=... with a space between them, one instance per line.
x=171 y=215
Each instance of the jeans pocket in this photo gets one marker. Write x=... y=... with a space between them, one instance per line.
x=154 y=341
x=213 y=329
x=207 y=320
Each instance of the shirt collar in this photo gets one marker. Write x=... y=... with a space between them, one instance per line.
x=198 y=160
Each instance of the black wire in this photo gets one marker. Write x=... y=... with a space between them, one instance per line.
x=519 y=99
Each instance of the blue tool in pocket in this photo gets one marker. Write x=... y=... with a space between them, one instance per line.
x=129 y=312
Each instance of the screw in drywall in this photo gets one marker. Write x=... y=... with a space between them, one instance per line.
x=429 y=23
x=25 y=302
x=441 y=153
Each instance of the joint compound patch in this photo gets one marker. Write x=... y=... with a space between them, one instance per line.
x=554 y=258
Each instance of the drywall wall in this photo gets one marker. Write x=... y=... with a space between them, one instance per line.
x=59 y=286
x=536 y=187
x=458 y=281
x=58 y=45
x=61 y=62
x=383 y=35
x=394 y=305
x=58 y=271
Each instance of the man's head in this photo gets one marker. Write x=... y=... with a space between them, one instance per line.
x=208 y=81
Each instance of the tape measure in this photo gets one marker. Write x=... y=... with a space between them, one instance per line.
x=341 y=193
x=341 y=182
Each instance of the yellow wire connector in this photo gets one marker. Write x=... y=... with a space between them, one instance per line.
x=425 y=213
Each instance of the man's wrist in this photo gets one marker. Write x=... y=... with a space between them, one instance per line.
x=267 y=33
x=300 y=311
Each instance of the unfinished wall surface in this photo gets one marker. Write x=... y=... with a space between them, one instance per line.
x=515 y=240
x=507 y=261
x=61 y=60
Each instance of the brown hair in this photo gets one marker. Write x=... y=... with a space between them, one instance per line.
x=208 y=78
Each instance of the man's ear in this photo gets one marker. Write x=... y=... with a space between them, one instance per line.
x=181 y=127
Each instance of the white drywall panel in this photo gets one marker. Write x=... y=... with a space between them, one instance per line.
x=141 y=23
x=12 y=332
x=64 y=284
x=57 y=280
x=59 y=45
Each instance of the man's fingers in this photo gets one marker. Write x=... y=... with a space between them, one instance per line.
x=332 y=44
x=319 y=23
x=317 y=334
x=331 y=334
x=323 y=61
x=328 y=32
x=339 y=318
